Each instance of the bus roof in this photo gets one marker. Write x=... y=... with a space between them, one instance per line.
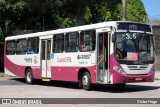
x=71 y=29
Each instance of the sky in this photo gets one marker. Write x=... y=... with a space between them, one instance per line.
x=152 y=8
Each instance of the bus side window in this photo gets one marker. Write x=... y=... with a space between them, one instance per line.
x=87 y=40
x=58 y=43
x=11 y=47
x=21 y=46
x=33 y=45
x=71 y=42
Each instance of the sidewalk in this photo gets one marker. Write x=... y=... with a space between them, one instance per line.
x=4 y=75
x=157 y=75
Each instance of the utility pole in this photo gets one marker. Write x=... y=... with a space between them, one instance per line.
x=124 y=10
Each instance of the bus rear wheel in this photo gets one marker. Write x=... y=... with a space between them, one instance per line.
x=29 y=76
x=86 y=81
x=119 y=86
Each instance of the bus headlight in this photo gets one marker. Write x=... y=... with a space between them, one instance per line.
x=118 y=69
x=152 y=69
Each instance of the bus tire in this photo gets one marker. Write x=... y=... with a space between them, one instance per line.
x=120 y=86
x=86 y=81
x=29 y=76
x=80 y=83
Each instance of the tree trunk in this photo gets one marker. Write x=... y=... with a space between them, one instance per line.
x=2 y=26
x=124 y=8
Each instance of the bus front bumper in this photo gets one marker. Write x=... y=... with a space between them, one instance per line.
x=119 y=78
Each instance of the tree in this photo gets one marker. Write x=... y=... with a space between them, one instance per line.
x=99 y=11
x=40 y=15
x=3 y=18
x=136 y=11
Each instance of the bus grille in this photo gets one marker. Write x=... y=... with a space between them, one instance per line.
x=138 y=67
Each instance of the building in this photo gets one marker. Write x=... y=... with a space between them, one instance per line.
x=156 y=32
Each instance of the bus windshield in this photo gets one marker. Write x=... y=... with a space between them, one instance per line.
x=134 y=46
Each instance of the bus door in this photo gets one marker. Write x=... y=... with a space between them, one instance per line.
x=103 y=50
x=46 y=58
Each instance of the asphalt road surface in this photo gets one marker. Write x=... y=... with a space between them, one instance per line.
x=14 y=87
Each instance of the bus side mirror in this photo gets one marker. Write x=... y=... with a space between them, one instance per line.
x=113 y=37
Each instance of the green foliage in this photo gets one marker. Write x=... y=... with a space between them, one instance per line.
x=136 y=11
x=39 y=15
x=1 y=36
x=3 y=18
x=104 y=12
x=88 y=15
x=61 y=21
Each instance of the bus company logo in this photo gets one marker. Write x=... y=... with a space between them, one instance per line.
x=83 y=56
x=65 y=59
x=28 y=60
x=35 y=60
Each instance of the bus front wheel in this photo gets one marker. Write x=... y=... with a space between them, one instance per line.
x=29 y=76
x=86 y=81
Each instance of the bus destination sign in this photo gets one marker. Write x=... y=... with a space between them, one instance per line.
x=134 y=26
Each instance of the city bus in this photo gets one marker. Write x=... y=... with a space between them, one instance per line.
x=114 y=52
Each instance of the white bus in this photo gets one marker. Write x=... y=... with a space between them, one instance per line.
x=115 y=52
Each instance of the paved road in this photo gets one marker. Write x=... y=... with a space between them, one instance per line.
x=17 y=88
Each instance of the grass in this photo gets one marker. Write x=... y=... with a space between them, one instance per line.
x=157 y=67
x=5 y=75
x=1 y=75
x=156 y=78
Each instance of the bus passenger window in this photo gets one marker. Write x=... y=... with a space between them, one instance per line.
x=58 y=43
x=71 y=42
x=21 y=46
x=10 y=47
x=87 y=40
x=82 y=46
x=33 y=45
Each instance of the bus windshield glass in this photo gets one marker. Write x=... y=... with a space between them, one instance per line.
x=134 y=46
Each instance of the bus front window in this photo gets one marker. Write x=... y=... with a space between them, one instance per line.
x=134 y=46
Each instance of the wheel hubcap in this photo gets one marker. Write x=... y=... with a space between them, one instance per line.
x=85 y=80
x=29 y=76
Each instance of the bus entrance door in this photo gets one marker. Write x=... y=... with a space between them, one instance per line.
x=46 y=58
x=103 y=47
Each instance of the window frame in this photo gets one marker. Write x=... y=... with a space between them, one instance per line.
x=77 y=41
x=37 y=44
x=91 y=30
x=54 y=46
x=23 y=46
x=11 y=47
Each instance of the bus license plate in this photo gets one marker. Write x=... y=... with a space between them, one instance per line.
x=138 y=79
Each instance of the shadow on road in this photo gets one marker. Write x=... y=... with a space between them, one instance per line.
x=71 y=85
x=100 y=88
x=128 y=88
